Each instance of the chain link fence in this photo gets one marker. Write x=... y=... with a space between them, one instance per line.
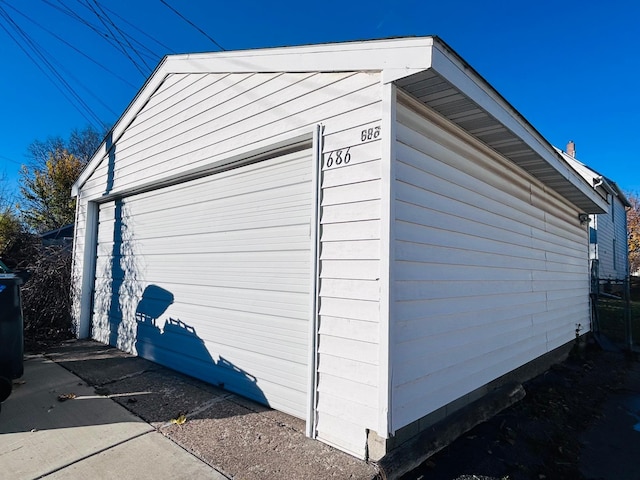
x=616 y=310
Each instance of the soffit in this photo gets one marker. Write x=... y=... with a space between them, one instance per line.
x=436 y=92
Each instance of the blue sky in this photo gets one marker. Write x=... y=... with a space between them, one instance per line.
x=569 y=67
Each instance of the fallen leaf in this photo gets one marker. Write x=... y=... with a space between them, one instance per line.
x=182 y=418
x=66 y=396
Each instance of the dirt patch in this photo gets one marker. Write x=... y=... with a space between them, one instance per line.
x=538 y=438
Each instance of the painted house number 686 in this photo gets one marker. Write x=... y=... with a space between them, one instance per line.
x=338 y=157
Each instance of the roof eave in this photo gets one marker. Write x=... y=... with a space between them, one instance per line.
x=504 y=128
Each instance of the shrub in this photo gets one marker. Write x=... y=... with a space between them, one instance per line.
x=46 y=299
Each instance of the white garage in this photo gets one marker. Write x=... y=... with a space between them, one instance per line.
x=364 y=235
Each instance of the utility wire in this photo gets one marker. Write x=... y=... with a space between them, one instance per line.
x=75 y=16
x=124 y=37
x=10 y=160
x=45 y=73
x=53 y=34
x=192 y=24
x=52 y=71
x=39 y=49
x=71 y=13
x=114 y=36
x=167 y=48
x=151 y=55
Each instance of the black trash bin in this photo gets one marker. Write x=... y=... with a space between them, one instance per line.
x=11 y=332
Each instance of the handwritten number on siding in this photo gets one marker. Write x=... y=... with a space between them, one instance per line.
x=370 y=134
x=338 y=157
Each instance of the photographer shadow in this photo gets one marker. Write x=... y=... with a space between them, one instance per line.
x=176 y=345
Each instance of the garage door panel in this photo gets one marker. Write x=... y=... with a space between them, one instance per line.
x=171 y=266
x=213 y=197
x=276 y=303
x=257 y=222
x=264 y=385
x=228 y=268
x=215 y=243
x=251 y=181
x=276 y=289
x=264 y=210
x=212 y=277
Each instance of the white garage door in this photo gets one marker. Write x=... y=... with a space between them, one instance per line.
x=212 y=277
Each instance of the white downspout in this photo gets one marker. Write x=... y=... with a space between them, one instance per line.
x=312 y=370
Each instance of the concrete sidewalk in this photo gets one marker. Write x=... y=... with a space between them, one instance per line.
x=89 y=436
x=119 y=425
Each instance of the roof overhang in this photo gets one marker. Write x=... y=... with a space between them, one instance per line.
x=601 y=183
x=456 y=91
x=424 y=67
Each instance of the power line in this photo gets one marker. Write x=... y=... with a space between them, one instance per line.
x=115 y=37
x=45 y=73
x=75 y=16
x=130 y=39
x=37 y=49
x=53 y=34
x=167 y=48
x=122 y=34
x=192 y=24
x=103 y=35
x=150 y=55
x=68 y=74
x=11 y=160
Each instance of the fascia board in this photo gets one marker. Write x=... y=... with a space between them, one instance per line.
x=590 y=176
x=611 y=186
x=620 y=194
x=448 y=64
x=408 y=55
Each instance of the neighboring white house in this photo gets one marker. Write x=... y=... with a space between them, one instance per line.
x=608 y=248
x=364 y=235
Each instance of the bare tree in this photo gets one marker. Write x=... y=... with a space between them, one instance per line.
x=54 y=166
x=10 y=225
x=633 y=229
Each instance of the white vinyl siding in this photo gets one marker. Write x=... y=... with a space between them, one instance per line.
x=490 y=269
x=211 y=277
x=349 y=292
x=611 y=249
x=175 y=134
